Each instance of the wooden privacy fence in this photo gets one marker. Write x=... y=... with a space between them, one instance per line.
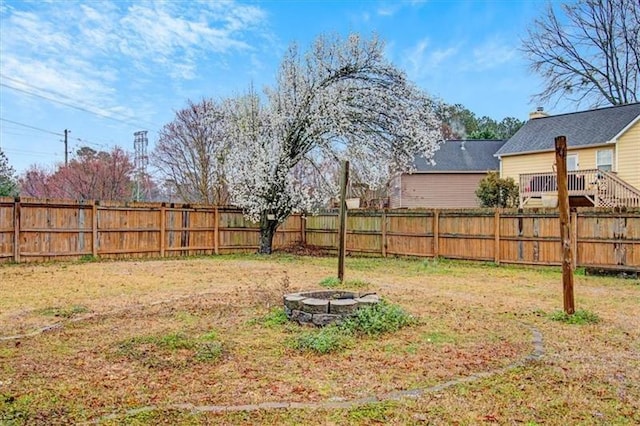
x=38 y=230
x=602 y=239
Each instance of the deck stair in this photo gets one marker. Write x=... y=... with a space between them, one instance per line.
x=615 y=192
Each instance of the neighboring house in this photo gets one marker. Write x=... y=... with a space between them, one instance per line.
x=452 y=180
x=603 y=157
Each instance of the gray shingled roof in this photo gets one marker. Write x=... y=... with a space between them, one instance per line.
x=585 y=128
x=477 y=156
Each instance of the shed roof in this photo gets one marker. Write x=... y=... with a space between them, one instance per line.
x=585 y=128
x=473 y=155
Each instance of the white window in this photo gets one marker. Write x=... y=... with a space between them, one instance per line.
x=604 y=159
x=572 y=162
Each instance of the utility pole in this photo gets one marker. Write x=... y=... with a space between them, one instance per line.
x=66 y=146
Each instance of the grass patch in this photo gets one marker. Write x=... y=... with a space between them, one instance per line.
x=14 y=410
x=274 y=318
x=356 y=284
x=88 y=258
x=173 y=350
x=580 y=317
x=438 y=338
x=331 y=282
x=378 y=413
x=322 y=341
x=67 y=312
x=209 y=351
x=334 y=282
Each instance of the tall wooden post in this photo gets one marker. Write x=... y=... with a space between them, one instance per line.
x=16 y=230
x=343 y=219
x=94 y=228
x=163 y=225
x=383 y=232
x=436 y=233
x=496 y=237
x=216 y=230
x=565 y=226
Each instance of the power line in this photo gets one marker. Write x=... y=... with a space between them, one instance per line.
x=31 y=127
x=102 y=145
x=29 y=152
x=40 y=89
x=127 y=119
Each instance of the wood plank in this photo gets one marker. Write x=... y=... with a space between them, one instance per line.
x=163 y=226
x=16 y=231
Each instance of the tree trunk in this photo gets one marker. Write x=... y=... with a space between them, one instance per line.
x=267 y=231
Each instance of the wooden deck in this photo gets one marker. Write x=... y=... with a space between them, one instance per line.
x=599 y=188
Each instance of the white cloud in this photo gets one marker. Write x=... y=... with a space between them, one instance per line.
x=493 y=53
x=388 y=10
x=84 y=49
x=421 y=59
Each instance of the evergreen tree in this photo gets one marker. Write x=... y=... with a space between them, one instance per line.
x=8 y=185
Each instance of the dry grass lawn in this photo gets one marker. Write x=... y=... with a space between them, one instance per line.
x=178 y=339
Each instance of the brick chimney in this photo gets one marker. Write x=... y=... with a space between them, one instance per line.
x=538 y=113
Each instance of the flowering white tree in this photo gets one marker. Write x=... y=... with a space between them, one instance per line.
x=341 y=100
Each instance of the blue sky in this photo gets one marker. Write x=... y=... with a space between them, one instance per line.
x=105 y=69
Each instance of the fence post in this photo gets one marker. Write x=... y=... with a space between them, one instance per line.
x=163 y=228
x=94 y=229
x=436 y=232
x=16 y=230
x=496 y=230
x=303 y=230
x=574 y=239
x=383 y=230
x=216 y=230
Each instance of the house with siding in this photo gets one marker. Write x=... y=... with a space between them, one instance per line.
x=603 y=157
x=450 y=180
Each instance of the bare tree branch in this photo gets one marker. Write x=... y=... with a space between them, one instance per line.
x=589 y=51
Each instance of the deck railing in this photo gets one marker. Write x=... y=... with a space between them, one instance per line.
x=579 y=182
x=604 y=189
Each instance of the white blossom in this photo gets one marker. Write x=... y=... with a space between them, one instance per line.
x=342 y=100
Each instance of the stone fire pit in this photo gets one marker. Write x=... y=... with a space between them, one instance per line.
x=324 y=307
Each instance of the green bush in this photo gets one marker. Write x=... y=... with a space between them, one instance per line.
x=494 y=191
x=377 y=319
x=370 y=321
